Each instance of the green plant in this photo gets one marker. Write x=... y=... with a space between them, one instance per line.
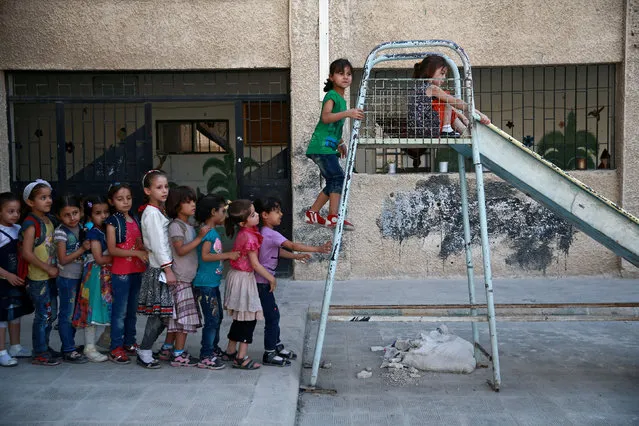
x=223 y=180
x=562 y=149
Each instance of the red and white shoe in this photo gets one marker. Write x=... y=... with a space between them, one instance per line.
x=314 y=218
x=331 y=221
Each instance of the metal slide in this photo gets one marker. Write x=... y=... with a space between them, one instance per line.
x=593 y=214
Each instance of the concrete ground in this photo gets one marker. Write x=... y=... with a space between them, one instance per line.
x=552 y=373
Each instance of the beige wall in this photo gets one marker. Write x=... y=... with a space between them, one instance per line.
x=492 y=32
x=629 y=137
x=227 y=34
x=205 y=34
x=544 y=243
x=143 y=34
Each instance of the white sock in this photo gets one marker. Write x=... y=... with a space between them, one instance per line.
x=3 y=352
x=16 y=348
x=145 y=355
x=447 y=128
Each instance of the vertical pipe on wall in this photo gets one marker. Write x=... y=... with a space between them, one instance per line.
x=323 y=45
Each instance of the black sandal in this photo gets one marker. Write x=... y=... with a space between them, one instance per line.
x=245 y=363
x=153 y=365
x=225 y=356
x=272 y=358
x=285 y=353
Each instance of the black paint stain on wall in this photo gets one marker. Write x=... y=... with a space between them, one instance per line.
x=435 y=207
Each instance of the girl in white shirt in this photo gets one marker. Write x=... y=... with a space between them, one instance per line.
x=156 y=299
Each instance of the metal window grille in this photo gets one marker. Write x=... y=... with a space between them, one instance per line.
x=564 y=113
x=29 y=85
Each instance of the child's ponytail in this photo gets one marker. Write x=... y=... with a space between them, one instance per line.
x=238 y=212
x=328 y=86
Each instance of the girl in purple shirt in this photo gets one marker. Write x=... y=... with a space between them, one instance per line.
x=270 y=212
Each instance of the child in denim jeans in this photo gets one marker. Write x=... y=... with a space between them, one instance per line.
x=70 y=257
x=124 y=242
x=272 y=249
x=38 y=250
x=210 y=212
x=14 y=300
x=327 y=146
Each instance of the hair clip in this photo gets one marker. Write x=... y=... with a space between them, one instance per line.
x=114 y=184
x=27 y=190
x=89 y=204
x=228 y=203
x=148 y=173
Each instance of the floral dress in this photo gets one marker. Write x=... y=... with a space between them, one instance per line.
x=93 y=306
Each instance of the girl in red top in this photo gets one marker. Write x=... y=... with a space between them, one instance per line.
x=124 y=242
x=241 y=299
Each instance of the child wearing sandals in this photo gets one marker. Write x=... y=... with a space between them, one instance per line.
x=270 y=212
x=70 y=250
x=156 y=299
x=211 y=212
x=93 y=306
x=180 y=206
x=241 y=299
x=14 y=301
x=124 y=242
x=38 y=251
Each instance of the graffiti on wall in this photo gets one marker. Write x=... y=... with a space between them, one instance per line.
x=434 y=207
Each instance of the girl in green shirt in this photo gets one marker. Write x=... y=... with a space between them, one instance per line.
x=327 y=146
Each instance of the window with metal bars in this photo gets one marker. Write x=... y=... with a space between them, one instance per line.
x=564 y=113
x=192 y=136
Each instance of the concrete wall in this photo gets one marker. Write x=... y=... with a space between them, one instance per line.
x=493 y=33
x=629 y=137
x=184 y=35
x=140 y=34
x=410 y=226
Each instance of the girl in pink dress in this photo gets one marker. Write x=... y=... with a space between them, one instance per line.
x=241 y=298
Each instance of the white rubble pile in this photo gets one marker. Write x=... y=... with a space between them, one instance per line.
x=364 y=374
x=438 y=351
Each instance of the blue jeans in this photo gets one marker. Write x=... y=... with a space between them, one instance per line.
x=126 y=289
x=331 y=171
x=271 y=317
x=68 y=291
x=44 y=296
x=211 y=305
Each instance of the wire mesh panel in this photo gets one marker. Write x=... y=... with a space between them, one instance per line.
x=402 y=119
x=150 y=84
x=563 y=113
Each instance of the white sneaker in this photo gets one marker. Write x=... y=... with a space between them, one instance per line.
x=7 y=360
x=95 y=356
x=18 y=351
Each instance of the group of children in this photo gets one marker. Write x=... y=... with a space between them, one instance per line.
x=92 y=263
x=110 y=266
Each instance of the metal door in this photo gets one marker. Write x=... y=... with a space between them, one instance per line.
x=263 y=158
x=82 y=147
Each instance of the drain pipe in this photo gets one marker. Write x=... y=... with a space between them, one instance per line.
x=323 y=45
